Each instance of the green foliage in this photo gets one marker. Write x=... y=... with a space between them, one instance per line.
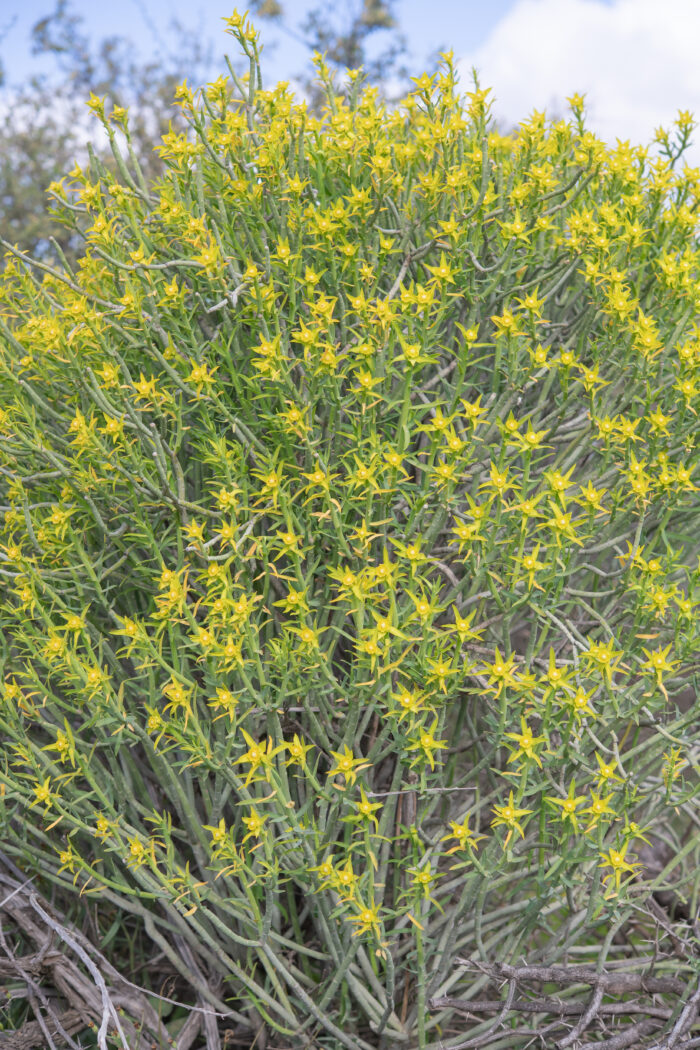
x=350 y=548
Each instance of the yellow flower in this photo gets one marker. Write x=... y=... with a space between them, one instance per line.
x=498 y=480
x=366 y=919
x=310 y=637
x=423 y=878
x=43 y=793
x=345 y=881
x=426 y=743
x=145 y=388
x=658 y=662
x=606 y=771
x=531 y=564
x=200 y=376
x=424 y=608
x=137 y=853
x=65 y=744
x=617 y=862
x=526 y=744
x=371 y=646
x=194 y=531
x=318 y=479
x=364 y=475
x=271 y=483
x=443 y=272
x=384 y=625
x=599 y=807
x=349 y=582
x=218 y=832
x=561 y=525
x=559 y=482
x=298 y=750
x=440 y=670
x=507 y=323
x=556 y=677
x=509 y=815
x=366 y=809
x=287 y=542
x=411 y=552
x=473 y=410
x=254 y=822
x=581 y=703
x=325 y=871
x=463 y=626
x=411 y=702
x=568 y=805
x=531 y=439
x=347 y=765
x=605 y=657
x=225 y=700
x=466 y=838
x=501 y=672
x=592 y=497
x=103 y=828
x=258 y=755
x=95 y=678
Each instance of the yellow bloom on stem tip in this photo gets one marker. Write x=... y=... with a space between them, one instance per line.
x=463 y=626
x=347 y=765
x=580 y=702
x=568 y=805
x=42 y=793
x=616 y=861
x=366 y=809
x=258 y=755
x=426 y=743
x=599 y=807
x=440 y=670
x=218 y=832
x=464 y=836
x=423 y=878
x=606 y=771
x=657 y=661
x=526 y=744
x=310 y=637
x=531 y=564
x=298 y=750
x=604 y=657
x=325 y=871
x=366 y=919
x=137 y=852
x=254 y=822
x=509 y=815
x=345 y=881
x=501 y=672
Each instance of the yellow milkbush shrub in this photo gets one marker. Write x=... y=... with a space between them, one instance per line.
x=349 y=547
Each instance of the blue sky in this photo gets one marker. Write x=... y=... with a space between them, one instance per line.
x=462 y=25
x=636 y=60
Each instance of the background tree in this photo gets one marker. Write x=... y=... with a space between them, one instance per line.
x=47 y=125
x=364 y=34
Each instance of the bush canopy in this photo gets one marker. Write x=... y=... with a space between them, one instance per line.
x=349 y=549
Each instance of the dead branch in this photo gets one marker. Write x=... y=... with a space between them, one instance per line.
x=32 y=1034
x=675 y=1018
x=100 y=997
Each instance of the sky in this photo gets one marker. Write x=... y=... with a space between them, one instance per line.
x=635 y=60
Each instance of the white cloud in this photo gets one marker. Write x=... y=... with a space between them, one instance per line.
x=636 y=61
